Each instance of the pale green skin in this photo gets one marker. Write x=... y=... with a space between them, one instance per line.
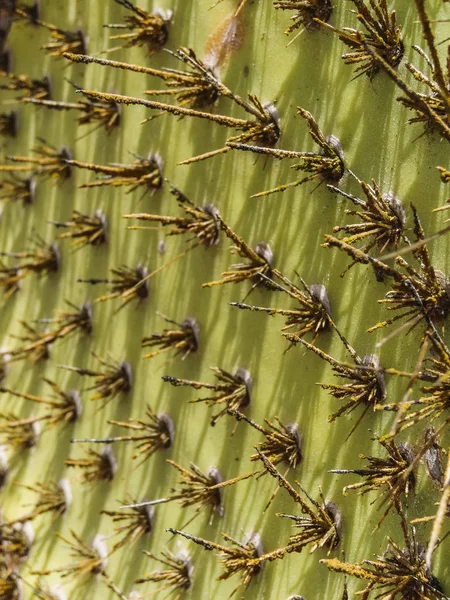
x=377 y=143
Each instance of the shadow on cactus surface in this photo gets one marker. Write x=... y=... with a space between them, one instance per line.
x=353 y=424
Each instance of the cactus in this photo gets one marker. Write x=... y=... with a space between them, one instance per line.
x=151 y=149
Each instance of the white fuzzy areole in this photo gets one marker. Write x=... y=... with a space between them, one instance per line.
x=99 y=545
x=28 y=531
x=36 y=426
x=5 y=357
x=58 y=593
x=162 y=247
x=164 y=13
x=184 y=556
x=3 y=458
x=19 y=589
x=64 y=484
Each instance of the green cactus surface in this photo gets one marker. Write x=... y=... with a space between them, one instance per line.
x=379 y=147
